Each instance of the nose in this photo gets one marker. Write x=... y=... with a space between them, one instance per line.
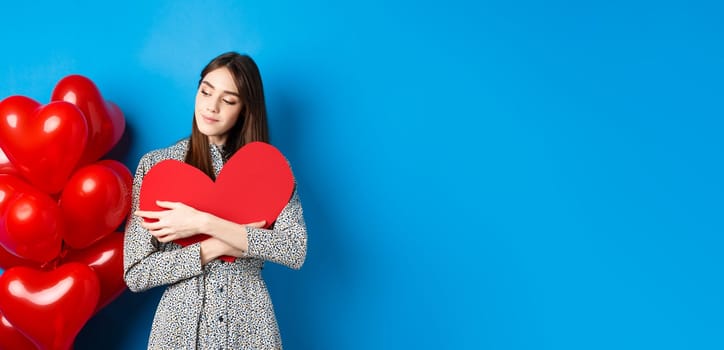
x=211 y=107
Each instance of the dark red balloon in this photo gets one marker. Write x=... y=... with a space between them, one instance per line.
x=105 y=120
x=106 y=260
x=49 y=308
x=44 y=143
x=94 y=202
x=11 y=338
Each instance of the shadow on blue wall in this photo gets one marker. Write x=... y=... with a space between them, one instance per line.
x=112 y=326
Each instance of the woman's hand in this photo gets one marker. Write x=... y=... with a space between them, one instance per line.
x=177 y=221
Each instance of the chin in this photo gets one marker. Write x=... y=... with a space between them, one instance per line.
x=209 y=135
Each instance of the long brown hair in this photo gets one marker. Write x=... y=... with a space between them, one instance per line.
x=252 y=122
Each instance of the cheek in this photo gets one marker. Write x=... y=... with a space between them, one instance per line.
x=231 y=122
x=232 y=114
x=197 y=104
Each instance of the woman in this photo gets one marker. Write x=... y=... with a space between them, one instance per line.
x=211 y=304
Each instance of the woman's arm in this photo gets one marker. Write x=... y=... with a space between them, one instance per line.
x=179 y=221
x=146 y=262
x=212 y=248
x=285 y=243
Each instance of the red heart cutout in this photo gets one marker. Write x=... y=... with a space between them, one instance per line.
x=43 y=142
x=11 y=338
x=94 y=202
x=106 y=260
x=254 y=185
x=105 y=120
x=49 y=308
x=31 y=226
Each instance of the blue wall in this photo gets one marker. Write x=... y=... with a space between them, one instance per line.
x=488 y=175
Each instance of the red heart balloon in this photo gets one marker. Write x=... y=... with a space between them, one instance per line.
x=49 y=308
x=106 y=260
x=94 y=202
x=6 y=166
x=105 y=120
x=9 y=187
x=8 y=260
x=11 y=338
x=43 y=142
x=30 y=223
x=254 y=185
x=124 y=173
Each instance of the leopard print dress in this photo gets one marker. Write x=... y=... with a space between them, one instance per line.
x=219 y=305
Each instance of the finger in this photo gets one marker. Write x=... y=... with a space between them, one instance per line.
x=148 y=214
x=166 y=238
x=161 y=238
x=153 y=226
x=169 y=205
x=257 y=224
x=160 y=233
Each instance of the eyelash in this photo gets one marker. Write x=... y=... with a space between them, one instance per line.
x=230 y=103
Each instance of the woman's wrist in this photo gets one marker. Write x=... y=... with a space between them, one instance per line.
x=210 y=250
x=205 y=223
x=232 y=235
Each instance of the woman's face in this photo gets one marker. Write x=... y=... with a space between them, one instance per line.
x=217 y=105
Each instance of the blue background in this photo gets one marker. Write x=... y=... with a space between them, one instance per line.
x=480 y=175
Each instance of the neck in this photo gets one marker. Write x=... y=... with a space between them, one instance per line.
x=217 y=140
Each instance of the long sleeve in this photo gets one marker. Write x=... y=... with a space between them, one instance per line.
x=286 y=242
x=146 y=262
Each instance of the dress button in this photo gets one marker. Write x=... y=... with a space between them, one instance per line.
x=221 y=289
x=221 y=319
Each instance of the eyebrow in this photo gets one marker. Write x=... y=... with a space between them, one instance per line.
x=226 y=91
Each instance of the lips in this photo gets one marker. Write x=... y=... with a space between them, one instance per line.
x=209 y=119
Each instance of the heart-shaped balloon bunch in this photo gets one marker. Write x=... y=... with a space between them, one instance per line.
x=60 y=208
